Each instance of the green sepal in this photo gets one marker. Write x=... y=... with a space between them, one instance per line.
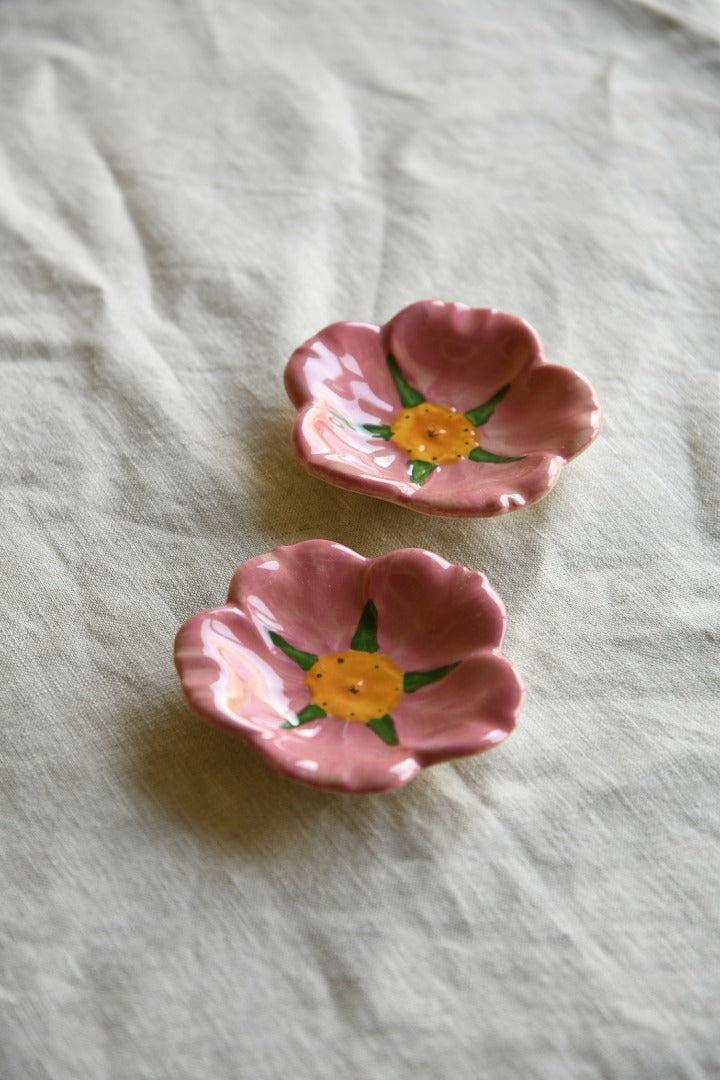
x=414 y=680
x=478 y=454
x=365 y=637
x=304 y=659
x=408 y=395
x=383 y=431
x=420 y=470
x=384 y=727
x=482 y=414
x=310 y=712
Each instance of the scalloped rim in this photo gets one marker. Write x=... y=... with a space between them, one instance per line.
x=424 y=501
x=194 y=669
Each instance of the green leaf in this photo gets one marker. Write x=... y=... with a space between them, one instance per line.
x=414 y=680
x=310 y=712
x=420 y=470
x=365 y=637
x=304 y=659
x=482 y=414
x=408 y=395
x=384 y=431
x=384 y=726
x=478 y=454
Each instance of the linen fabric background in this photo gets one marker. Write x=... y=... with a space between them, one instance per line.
x=188 y=190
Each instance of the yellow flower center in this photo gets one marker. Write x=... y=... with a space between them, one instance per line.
x=355 y=685
x=434 y=433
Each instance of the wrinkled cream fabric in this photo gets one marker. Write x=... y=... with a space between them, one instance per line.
x=187 y=191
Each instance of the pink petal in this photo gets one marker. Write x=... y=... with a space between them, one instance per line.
x=343 y=369
x=230 y=676
x=471 y=709
x=310 y=593
x=483 y=489
x=549 y=408
x=343 y=756
x=341 y=454
x=457 y=355
x=431 y=612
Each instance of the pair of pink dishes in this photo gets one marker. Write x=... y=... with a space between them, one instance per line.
x=353 y=674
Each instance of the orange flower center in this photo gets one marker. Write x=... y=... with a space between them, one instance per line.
x=354 y=685
x=434 y=433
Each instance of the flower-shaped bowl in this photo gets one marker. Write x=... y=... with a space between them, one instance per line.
x=447 y=409
x=350 y=673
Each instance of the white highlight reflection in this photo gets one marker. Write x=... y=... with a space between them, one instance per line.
x=245 y=683
x=261 y=613
x=405 y=769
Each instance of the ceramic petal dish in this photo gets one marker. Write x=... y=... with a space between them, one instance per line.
x=351 y=673
x=446 y=409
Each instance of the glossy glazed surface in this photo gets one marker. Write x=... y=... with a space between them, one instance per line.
x=351 y=673
x=446 y=409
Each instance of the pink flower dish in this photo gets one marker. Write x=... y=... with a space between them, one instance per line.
x=349 y=673
x=447 y=409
